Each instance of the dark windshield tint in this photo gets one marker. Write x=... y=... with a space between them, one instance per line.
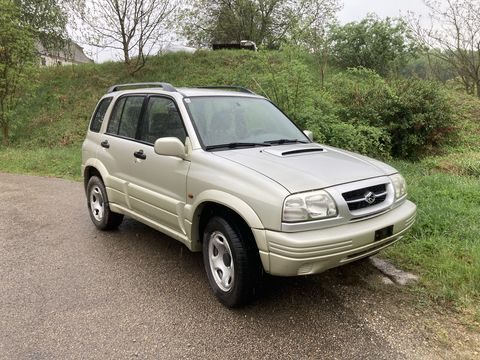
x=224 y=120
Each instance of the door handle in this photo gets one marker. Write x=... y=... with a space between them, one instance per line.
x=105 y=144
x=140 y=154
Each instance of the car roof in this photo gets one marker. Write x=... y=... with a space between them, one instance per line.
x=188 y=92
x=214 y=92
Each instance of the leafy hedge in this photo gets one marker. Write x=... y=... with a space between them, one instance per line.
x=414 y=115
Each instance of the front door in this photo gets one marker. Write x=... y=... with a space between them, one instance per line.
x=159 y=189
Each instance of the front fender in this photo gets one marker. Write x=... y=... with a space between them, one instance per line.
x=191 y=213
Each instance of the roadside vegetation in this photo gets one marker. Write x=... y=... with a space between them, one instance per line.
x=416 y=109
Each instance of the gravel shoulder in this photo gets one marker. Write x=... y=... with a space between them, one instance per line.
x=69 y=291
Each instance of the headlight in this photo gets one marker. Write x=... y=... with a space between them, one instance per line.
x=399 y=185
x=313 y=205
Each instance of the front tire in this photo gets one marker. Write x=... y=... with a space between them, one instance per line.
x=97 y=201
x=230 y=260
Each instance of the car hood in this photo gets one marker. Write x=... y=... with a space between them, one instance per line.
x=303 y=167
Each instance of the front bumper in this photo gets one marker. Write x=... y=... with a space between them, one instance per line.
x=311 y=252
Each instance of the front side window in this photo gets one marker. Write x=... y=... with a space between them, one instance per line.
x=241 y=120
x=125 y=116
x=97 y=119
x=162 y=119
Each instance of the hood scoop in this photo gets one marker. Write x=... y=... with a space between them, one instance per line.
x=301 y=151
x=294 y=150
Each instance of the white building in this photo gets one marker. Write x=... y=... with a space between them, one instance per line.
x=71 y=54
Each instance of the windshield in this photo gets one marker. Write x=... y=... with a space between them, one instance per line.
x=232 y=122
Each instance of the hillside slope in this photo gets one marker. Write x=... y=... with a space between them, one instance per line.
x=57 y=111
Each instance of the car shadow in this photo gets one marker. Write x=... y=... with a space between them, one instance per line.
x=157 y=251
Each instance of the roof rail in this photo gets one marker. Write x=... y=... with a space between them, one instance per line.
x=163 y=85
x=226 y=87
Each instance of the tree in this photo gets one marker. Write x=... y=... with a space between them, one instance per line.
x=454 y=35
x=266 y=22
x=380 y=45
x=47 y=19
x=315 y=36
x=132 y=26
x=17 y=55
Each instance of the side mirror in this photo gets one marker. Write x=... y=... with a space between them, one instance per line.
x=170 y=146
x=309 y=134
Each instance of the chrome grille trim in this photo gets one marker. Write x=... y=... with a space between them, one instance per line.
x=357 y=199
x=360 y=200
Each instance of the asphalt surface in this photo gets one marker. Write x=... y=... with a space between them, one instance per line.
x=69 y=291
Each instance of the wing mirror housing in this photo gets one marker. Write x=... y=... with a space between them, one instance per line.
x=309 y=134
x=170 y=146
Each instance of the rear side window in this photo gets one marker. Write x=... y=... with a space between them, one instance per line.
x=97 y=120
x=125 y=116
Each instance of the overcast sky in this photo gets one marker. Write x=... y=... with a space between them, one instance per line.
x=353 y=10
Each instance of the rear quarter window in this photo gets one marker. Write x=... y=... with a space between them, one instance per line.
x=99 y=115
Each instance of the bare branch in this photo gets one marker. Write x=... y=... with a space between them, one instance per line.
x=133 y=26
x=454 y=37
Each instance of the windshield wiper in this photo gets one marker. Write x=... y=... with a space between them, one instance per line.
x=234 y=145
x=285 y=141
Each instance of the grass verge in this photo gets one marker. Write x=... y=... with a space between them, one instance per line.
x=61 y=162
x=444 y=244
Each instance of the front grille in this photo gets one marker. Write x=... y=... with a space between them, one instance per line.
x=366 y=197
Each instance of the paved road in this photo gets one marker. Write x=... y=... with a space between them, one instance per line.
x=68 y=291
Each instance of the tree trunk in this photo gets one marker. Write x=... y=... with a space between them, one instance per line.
x=5 y=139
x=126 y=55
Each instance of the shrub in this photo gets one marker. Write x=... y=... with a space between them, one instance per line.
x=323 y=120
x=286 y=79
x=406 y=118
x=368 y=140
x=423 y=120
x=362 y=97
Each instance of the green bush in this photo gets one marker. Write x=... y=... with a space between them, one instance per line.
x=423 y=120
x=364 y=139
x=285 y=78
x=362 y=97
x=402 y=118
x=322 y=118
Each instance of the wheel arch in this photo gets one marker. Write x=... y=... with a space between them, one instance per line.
x=94 y=168
x=214 y=202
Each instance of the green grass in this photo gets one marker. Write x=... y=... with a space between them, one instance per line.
x=443 y=246
x=61 y=162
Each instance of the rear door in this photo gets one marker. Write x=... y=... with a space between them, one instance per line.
x=119 y=147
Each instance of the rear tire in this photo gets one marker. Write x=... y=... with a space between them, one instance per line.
x=231 y=261
x=102 y=217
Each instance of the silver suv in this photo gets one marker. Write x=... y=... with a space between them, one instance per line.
x=225 y=172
